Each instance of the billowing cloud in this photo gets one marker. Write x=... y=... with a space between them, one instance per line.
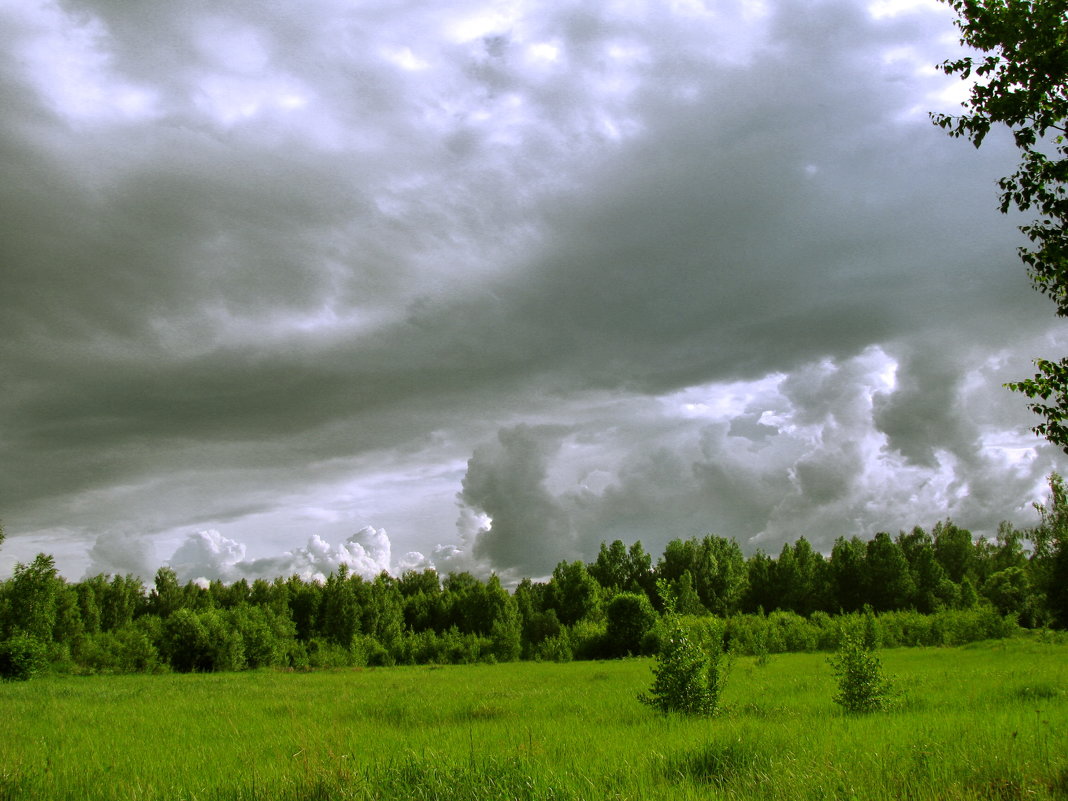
x=209 y=555
x=524 y=525
x=827 y=470
x=597 y=270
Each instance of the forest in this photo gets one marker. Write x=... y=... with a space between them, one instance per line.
x=935 y=587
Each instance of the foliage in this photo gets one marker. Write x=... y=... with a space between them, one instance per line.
x=573 y=593
x=21 y=657
x=630 y=616
x=861 y=685
x=1022 y=76
x=33 y=595
x=1049 y=558
x=940 y=588
x=717 y=569
x=686 y=677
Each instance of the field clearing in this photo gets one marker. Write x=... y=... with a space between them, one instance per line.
x=982 y=721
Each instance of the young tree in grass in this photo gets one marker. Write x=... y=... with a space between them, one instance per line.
x=686 y=678
x=861 y=685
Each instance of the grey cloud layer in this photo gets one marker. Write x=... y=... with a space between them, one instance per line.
x=275 y=245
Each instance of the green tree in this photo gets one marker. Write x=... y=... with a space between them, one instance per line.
x=933 y=589
x=33 y=594
x=801 y=580
x=718 y=568
x=889 y=580
x=166 y=596
x=185 y=642
x=862 y=687
x=21 y=657
x=1022 y=70
x=630 y=616
x=122 y=598
x=621 y=569
x=848 y=569
x=1008 y=550
x=87 y=605
x=612 y=567
x=685 y=597
x=339 y=611
x=1009 y=590
x=305 y=598
x=383 y=612
x=955 y=550
x=69 y=628
x=573 y=593
x=686 y=678
x=1049 y=555
x=762 y=591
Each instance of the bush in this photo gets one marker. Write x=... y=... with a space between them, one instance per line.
x=687 y=678
x=554 y=649
x=128 y=650
x=861 y=685
x=630 y=616
x=21 y=657
x=587 y=639
x=322 y=653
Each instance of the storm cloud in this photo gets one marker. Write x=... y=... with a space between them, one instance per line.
x=497 y=282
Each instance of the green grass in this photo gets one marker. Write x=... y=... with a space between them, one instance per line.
x=983 y=722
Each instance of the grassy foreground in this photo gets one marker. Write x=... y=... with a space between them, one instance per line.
x=989 y=721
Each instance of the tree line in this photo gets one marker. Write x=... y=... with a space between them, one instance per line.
x=605 y=608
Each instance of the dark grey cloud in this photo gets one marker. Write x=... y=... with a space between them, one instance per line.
x=528 y=529
x=260 y=260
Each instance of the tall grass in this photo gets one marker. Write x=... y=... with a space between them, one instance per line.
x=986 y=721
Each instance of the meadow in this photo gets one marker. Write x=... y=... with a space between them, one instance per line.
x=984 y=721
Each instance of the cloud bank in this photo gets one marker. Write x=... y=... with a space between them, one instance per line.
x=503 y=280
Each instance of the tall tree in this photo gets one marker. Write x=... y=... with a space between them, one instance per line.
x=717 y=566
x=1022 y=76
x=166 y=596
x=762 y=591
x=1049 y=557
x=889 y=580
x=611 y=568
x=955 y=550
x=123 y=598
x=573 y=593
x=33 y=594
x=339 y=610
x=849 y=580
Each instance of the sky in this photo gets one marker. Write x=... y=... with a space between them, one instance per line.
x=481 y=284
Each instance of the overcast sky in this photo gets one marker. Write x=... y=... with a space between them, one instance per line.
x=482 y=284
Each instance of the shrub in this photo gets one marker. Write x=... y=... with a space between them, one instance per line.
x=21 y=657
x=587 y=639
x=687 y=678
x=128 y=650
x=630 y=616
x=554 y=649
x=861 y=685
x=794 y=632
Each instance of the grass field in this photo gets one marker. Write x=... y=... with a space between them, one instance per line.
x=988 y=721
